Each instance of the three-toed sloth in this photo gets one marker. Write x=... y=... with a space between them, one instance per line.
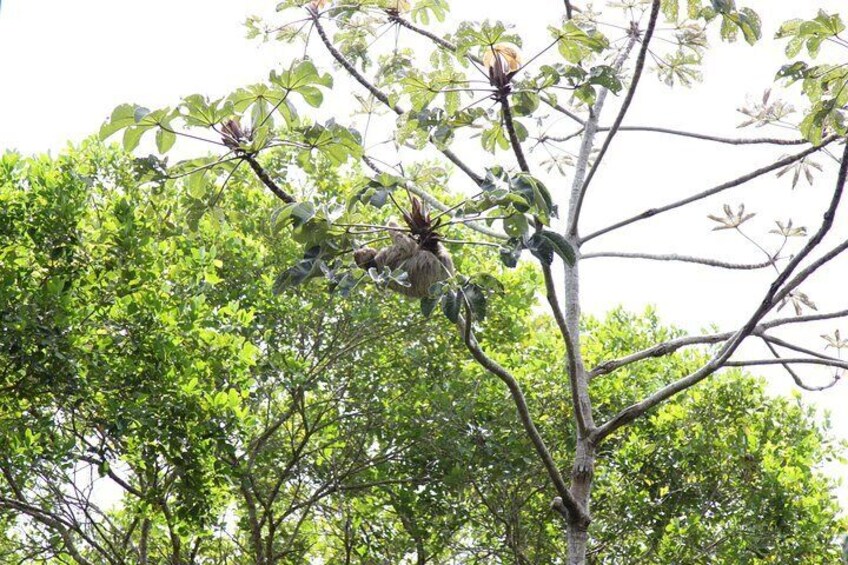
x=419 y=253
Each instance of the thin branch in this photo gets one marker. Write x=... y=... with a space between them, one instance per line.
x=695 y=135
x=650 y=213
x=779 y=288
x=381 y=96
x=771 y=340
x=788 y=361
x=575 y=511
x=802 y=319
x=796 y=377
x=435 y=202
x=563 y=110
x=571 y=357
x=351 y=70
x=658 y=350
x=671 y=346
x=625 y=106
x=678 y=258
x=266 y=179
x=513 y=135
x=443 y=43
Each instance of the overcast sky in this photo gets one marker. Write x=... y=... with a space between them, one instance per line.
x=65 y=65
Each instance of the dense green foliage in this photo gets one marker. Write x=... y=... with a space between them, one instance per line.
x=221 y=423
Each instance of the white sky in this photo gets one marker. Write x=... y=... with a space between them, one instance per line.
x=65 y=65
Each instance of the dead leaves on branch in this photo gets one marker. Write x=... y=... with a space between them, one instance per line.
x=835 y=341
x=787 y=230
x=798 y=300
x=805 y=166
x=731 y=220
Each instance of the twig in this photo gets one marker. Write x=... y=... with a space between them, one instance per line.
x=678 y=258
x=711 y=191
x=628 y=99
x=779 y=288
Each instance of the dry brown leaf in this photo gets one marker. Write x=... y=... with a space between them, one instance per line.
x=505 y=54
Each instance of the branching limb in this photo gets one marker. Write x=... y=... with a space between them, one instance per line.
x=590 y=130
x=671 y=346
x=779 y=288
x=789 y=361
x=625 y=106
x=443 y=43
x=266 y=179
x=513 y=135
x=436 y=203
x=771 y=341
x=658 y=350
x=650 y=213
x=695 y=135
x=574 y=511
x=805 y=318
x=581 y=412
x=380 y=95
x=796 y=377
x=678 y=258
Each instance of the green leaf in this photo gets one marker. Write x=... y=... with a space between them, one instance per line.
x=476 y=300
x=451 y=301
x=165 y=140
x=560 y=246
x=428 y=305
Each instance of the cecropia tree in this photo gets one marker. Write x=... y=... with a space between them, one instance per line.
x=417 y=98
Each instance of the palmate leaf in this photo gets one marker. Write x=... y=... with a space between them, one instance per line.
x=577 y=44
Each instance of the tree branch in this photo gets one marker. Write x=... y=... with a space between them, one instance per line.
x=795 y=377
x=628 y=99
x=695 y=135
x=712 y=191
x=671 y=346
x=513 y=135
x=574 y=511
x=678 y=258
x=788 y=361
x=382 y=96
x=580 y=412
x=778 y=289
x=266 y=179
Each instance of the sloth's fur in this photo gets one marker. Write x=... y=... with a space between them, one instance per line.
x=421 y=255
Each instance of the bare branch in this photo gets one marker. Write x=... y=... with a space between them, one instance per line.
x=659 y=350
x=678 y=258
x=779 y=288
x=802 y=319
x=581 y=413
x=628 y=99
x=671 y=346
x=443 y=43
x=788 y=361
x=574 y=511
x=695 y=135
x=712 y=191
x=563 y=110
x=797 y=378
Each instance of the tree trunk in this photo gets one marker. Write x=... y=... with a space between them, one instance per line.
x=581 y=487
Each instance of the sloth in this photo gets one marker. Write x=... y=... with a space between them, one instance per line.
x=420 y=253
